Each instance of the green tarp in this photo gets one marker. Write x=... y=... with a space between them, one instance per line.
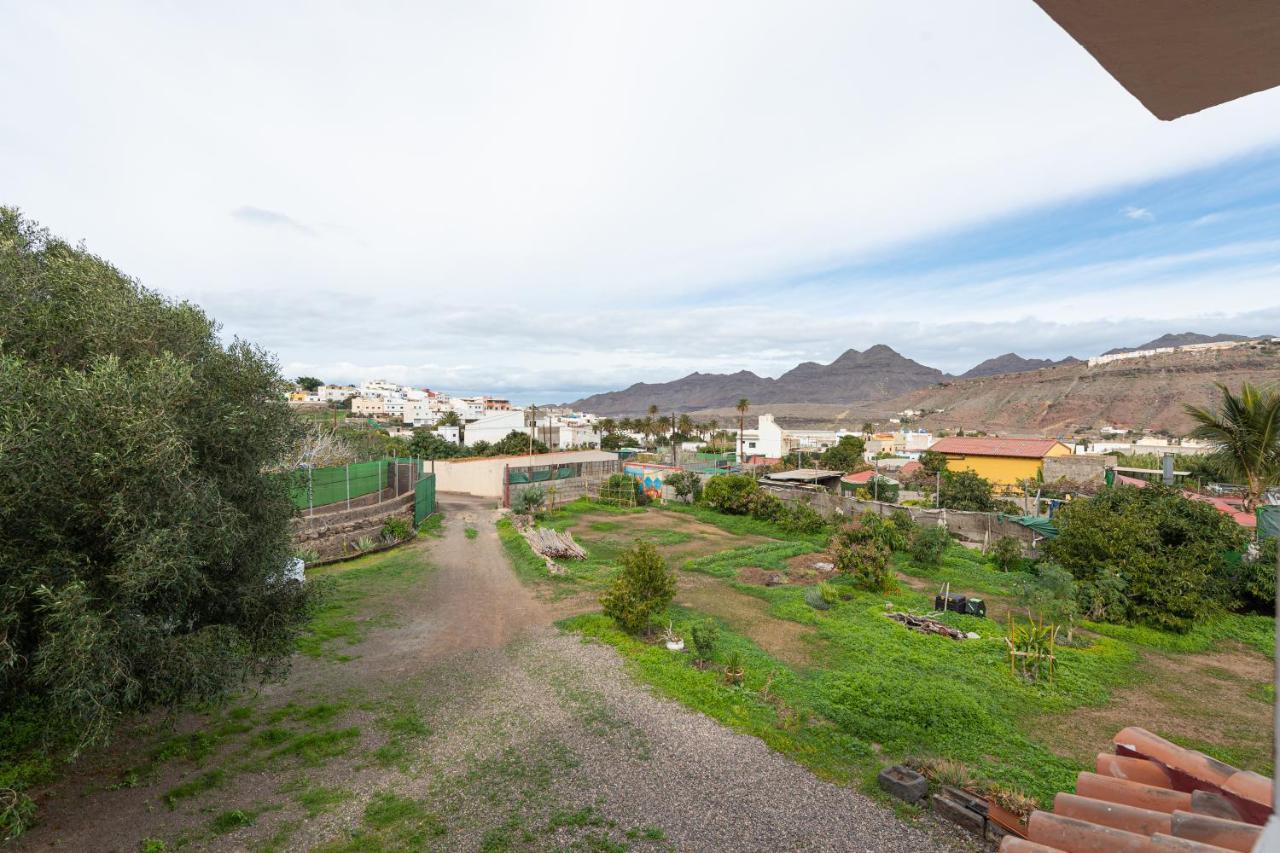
x=1039 y=524
x=424 y=498
x=1268 y=522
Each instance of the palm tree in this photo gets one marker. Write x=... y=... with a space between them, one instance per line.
x=1245 y=434
x=742 y=407
x=712 y=426
x=686 y=425
x=608 y=426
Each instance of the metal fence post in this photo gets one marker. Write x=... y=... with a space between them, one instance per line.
x=380 y=486
x=311 y=496
x=395 y=460
x=348 y=475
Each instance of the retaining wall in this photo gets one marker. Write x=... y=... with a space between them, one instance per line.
x=333 y=534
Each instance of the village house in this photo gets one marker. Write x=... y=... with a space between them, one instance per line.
x=1005 y=462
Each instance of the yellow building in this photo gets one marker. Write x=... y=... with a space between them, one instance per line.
x=1006 y=462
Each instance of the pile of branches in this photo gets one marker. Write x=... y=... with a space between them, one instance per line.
x=925 y=625
x=553 y=543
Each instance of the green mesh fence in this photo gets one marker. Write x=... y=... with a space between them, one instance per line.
x=424 y=498
x=541 y=475
x=330 y=485
x=1268 y=522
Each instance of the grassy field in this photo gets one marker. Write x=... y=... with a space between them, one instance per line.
x=874 y=692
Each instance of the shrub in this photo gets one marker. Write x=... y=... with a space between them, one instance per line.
x=1006 y=553
x=1250 y=582
x=687 y=486
x=902 y=520
x=801 y=518
x=965 y=490
x=1170 y=551
x=814 y=598
x=734 y=669
x=929 y=544
x=767 y=507
x=365 y=543
x=395 y=529
x=861 y=553
x=148 y=572
x=885 y=530
x=1102 y=599
x=1049 y=595
x=830 y=593
x=643 y=587
x=528 y=500
x=705 y=636
x=731 y=493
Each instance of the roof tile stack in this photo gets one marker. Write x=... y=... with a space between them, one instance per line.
x=1150 y=796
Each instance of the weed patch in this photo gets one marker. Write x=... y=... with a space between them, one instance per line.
x=200 y=784
x=338 y=621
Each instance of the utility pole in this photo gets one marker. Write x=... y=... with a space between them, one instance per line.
x=674 y=457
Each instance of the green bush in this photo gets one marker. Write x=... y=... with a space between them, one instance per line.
x=1102 y=598
x=1006 y=553
x=1170 y=551
x=619 y=487
x=644 y=587
x=965 y=490
x=767 y=507
x=902 y=520
x=859 y=551
x=528 y=500
x=814 y=598
x=929 y=543
x=705 y=636
x=687 y=486
x=396 y=529
x=798 y=517
x=1049 y=596
x=885 y=530
x=1250 y=582
x=143 y=541
x=731 y=493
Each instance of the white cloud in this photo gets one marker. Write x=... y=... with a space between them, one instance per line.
x=1139 y=213
x=527 y=180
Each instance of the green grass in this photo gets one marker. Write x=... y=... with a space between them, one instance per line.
x=340 y=621
x=321 y=799
x=470 y=532
x=313 y=748
x=965 y=569
x=744 y=525
x=432 y=525
x=1255 y=632
x=770 y=555
x=233 y=819
x=391 y=822
x=194 y=787
x=885 y=693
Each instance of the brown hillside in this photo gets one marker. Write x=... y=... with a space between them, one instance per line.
x=1142 y=393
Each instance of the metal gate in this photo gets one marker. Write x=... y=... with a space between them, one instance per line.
x=424 y=498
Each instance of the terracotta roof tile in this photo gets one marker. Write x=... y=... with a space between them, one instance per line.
x=1022 y=448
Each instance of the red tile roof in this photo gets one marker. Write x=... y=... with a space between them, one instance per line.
x=1223 y=505
x=1152 y=795
x=859 y=477
x=1022 y=448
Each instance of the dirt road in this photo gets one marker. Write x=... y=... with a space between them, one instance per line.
x=526 y=739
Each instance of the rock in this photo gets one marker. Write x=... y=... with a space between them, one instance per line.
x=955 y=810
x=775 y=579
x=904 y=783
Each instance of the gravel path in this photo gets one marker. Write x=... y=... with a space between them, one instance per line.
x=539 y=740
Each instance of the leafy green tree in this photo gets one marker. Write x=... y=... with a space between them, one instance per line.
x=686 y=484
x=308 y=383
x=427 y=445
x=1050 y=596
x=731 y=493
x=965 y=490
x=144 y=542
x=845 y=455
x=859 y=551
x=614 y=441
x=932 y=462
x=706 y=637
x=644 y=587
x=929 y=545
x=515 y=443
x=1007 y=554
x=1171 y=552
x=1245 y=431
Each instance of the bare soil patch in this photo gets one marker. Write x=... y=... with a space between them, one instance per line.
x=1200 y=699
x=790 y=642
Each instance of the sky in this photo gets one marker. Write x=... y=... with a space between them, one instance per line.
x=545 y=199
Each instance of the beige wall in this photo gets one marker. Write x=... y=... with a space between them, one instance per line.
x=483 y=477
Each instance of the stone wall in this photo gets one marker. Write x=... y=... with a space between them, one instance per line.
x=333 y=534
x=981 y=528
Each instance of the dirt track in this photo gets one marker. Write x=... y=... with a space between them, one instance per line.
x=525 y=723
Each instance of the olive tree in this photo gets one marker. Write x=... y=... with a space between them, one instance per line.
x=143 y=541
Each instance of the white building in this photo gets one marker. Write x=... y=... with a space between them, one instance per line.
x=336 y=393
x=493 y=427
x=773 y=442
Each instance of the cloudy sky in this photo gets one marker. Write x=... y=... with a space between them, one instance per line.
x=548 y=198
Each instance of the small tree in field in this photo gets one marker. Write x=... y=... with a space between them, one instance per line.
x=929 y=544
x=645 y=586
x=687 y=485
x=860 y=553
x=1007 y=553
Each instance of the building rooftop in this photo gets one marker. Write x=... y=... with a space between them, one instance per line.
x=1022 y=448
x=806 y=475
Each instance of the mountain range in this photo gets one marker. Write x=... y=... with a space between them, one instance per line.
x=876 y=374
